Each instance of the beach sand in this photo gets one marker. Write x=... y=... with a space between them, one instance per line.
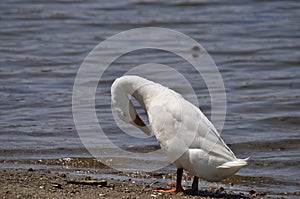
x=20 y=183
x=72 y=179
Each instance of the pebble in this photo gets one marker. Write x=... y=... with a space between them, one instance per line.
x=58 y=186
x=212 y=188
x=296 y=193
x=221 y=189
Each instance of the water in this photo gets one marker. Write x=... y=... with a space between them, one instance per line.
x=255 y=45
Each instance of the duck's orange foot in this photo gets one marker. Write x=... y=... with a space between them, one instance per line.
x=166 y=190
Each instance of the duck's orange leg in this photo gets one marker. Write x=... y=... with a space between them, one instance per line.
x=178 y=187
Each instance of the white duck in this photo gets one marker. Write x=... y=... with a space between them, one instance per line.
x=184 y=133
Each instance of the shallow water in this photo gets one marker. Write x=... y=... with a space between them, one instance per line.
x=255 y=45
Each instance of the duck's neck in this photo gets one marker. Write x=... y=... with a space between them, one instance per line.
x=141 y=89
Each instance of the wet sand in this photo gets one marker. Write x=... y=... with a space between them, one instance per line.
x=74 y=178
x=44 y=184
x=30 y=183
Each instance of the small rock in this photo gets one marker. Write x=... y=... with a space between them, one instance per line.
x=297 y=193
x=261 y=194
x=127 y=190
x=180 y=193
x=58 y=186
x=221 y=189
x=252 y=192
x=212 y=188
x=30 y=169
x=88 y=178
x=63 y=175
x=102 y=195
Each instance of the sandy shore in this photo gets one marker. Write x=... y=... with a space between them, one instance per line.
x=20 y=183
x=63 y=179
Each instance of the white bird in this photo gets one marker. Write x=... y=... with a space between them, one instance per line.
x=184 y=133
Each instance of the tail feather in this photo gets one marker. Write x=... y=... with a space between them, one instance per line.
x=237 y=163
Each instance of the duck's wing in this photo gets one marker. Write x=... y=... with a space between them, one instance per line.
x=179 y=126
